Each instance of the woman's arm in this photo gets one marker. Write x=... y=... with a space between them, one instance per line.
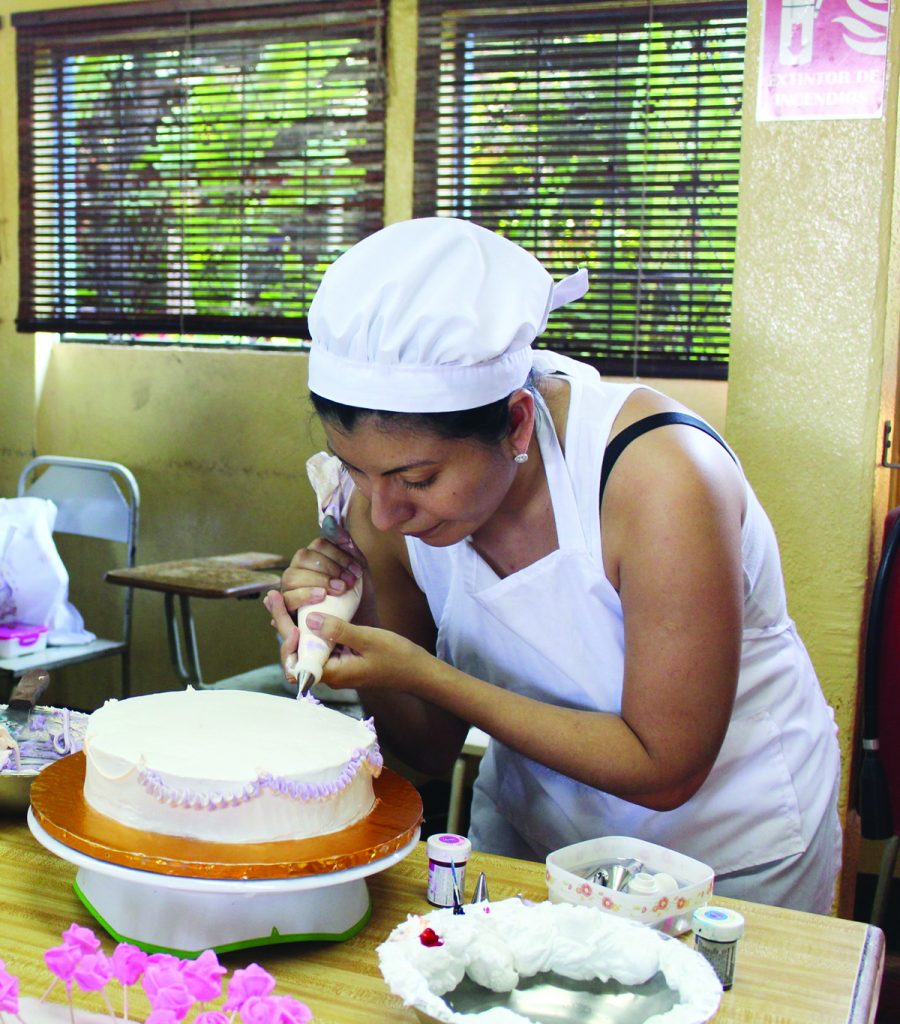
x=672 y=542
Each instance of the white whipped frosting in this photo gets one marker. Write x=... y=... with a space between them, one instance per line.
x=496 y=944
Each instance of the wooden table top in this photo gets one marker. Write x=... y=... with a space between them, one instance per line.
x=792 y=968
x=219 y=576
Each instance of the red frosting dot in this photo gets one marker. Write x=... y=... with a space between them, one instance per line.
x=430 y=937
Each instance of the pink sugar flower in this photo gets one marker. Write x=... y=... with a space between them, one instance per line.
x=203 y=976
x=259 y=1010
x=164 y=959
x=274 y=1010
x=81 y=938
x=212 y=1017
x=251 y=981
x=127 y=963
x=9 y=991
x=166 y=989
x=62 y=961
x=92 y=972
x=292 y=1011
x=162 y=1017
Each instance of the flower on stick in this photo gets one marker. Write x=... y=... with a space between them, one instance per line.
x=173 y=986
x=9 y=992
x=203 y=976
x=246 y=983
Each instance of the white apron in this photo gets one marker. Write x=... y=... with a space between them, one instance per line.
x=554 y=632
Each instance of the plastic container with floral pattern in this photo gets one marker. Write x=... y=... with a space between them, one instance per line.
x=668 y=912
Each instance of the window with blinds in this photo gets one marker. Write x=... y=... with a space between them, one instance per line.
x=598 y=135
x=189 y=170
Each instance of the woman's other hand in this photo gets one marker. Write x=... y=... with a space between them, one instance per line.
x=288 y=632
x=366 y=657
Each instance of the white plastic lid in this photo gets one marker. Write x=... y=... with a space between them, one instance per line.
x=448 y=848
x=665 y=882
x=643 y=883
x=717 y=924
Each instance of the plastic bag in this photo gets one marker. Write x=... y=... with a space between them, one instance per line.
x=34 y=583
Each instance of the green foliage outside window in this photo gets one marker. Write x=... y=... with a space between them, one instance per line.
x=194 y=179
x=596 y=137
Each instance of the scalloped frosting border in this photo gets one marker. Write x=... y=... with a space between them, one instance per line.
x=362 y=759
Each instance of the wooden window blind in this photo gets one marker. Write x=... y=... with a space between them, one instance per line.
x=598 y=135
x=193 y=168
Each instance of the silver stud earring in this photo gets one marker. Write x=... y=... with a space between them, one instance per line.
x=521 y=457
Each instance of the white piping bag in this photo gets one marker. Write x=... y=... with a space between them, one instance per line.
x=333 y=487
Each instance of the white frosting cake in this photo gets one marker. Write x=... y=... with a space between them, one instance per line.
x=229 y=766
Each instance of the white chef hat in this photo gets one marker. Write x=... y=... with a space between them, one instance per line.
x=430 y=315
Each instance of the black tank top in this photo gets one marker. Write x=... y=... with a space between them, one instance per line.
x=661 y=419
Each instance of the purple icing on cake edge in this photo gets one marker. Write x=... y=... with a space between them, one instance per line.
x=360 y=760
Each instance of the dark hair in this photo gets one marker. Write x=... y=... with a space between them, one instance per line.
x=488 y=424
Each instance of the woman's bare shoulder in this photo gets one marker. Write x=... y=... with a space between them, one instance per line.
x=668 y=482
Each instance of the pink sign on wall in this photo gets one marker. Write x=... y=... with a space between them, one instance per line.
x=822 y=59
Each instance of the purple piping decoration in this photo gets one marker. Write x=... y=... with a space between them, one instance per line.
x=361 y=759
x=48 y=738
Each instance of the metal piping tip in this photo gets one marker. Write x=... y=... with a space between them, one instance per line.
x=305 y=682
x=481 y=892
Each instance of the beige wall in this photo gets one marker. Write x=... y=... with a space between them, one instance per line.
x=217 y=439
x=815 y=329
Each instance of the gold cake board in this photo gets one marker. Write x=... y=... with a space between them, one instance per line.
x=182 y=896
x=57 y=800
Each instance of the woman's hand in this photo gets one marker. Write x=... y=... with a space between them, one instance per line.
x=318 y=569
x=366 y=657
x=288 y=632
x=329 y=565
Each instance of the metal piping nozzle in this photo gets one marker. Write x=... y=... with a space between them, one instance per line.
x=481 y=892
x=305 y=682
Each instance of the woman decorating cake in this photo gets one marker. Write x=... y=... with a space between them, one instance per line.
x=579 y=568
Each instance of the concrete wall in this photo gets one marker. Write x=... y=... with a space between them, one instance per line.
x=815 y=333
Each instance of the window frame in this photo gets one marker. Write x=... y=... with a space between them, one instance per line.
x=309 y=23
x=441 y=99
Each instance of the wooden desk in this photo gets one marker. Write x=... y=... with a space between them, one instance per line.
x=792 y=968
x=223 y=576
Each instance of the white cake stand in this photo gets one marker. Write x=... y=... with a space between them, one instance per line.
x=184 y=916
x=165 y=894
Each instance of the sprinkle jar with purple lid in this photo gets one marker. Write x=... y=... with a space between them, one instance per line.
x=448 y=855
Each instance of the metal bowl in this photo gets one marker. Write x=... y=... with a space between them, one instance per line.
x=15 y=786
x=15 y=791
x=552 y=999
